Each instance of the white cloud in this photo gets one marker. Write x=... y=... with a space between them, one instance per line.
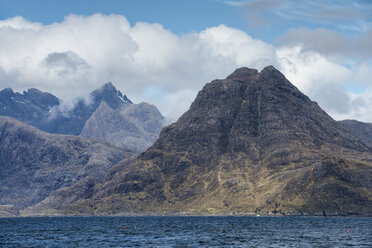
x=76 y=56
x=310 y=70
x=19 y=23
x=149 y=63
x=324 y=80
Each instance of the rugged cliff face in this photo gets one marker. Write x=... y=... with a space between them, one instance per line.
x=34 y=163
x=251 y=143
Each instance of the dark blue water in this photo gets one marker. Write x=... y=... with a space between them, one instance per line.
x=185 y=232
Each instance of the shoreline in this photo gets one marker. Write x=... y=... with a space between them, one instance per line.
x=187 y=215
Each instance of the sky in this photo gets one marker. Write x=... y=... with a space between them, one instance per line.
x=164 y=51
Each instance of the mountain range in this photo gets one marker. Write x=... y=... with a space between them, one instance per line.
x=135 y=128
x=249 y=144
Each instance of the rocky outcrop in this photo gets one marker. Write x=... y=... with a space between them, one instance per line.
x=34 y=163
x=251 y=143
x=134 y=127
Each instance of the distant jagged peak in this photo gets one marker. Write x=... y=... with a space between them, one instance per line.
x=109 y=85
x=125 y=98
x=113 y=97
x=32 y=95
x=106 y=89
x=33 y=90
x=109 y=89
x=30 y=92
x=37 y=95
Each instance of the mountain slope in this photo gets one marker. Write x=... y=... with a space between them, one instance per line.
x=251 y=143
x=359 y=129
x=134 y=127
x=34 y=163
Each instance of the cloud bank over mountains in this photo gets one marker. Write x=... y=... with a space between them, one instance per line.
x=150 y=63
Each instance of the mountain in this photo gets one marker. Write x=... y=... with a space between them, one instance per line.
x=250 y=143
x=29 y=107
x=34 y=163
x=360 y=129
x=73 y=121
x=45 y=111
x=135 y=127
x=88 y=117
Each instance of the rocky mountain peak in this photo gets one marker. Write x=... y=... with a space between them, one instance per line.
x=126 y=99
x=33 y=91
x=31 y=106
x=41 y=98
x=270 y=69
x=270 y=76
x=108 y=87
x=254 y=113
x=242 y=73
x=110 y=95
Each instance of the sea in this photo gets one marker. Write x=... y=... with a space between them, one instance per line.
x=187 y=231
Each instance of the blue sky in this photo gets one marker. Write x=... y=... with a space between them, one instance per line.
x=273 y=17
x=164 y=51
x=176 y=15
